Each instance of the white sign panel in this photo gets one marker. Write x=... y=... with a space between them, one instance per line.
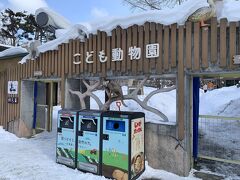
x=12 y=87
x=236 y=59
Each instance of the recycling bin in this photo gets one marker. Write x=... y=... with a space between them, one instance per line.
x=88 y=135
x=66 y=137
x=123 y=153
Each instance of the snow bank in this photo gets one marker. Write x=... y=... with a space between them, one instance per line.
x=6 y=136
x=12 y=51
x=222 y=101
x=151 y=173
x=230 y=10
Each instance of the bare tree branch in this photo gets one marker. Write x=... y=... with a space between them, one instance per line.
x=151 y=4
x=89 y=91
x=132 y=96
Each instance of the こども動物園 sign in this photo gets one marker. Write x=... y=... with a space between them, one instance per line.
x=152 y=51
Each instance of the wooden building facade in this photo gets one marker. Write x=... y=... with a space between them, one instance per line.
x=187 y=50
x=183 y=49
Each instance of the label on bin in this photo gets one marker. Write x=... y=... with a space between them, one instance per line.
x=87 y=167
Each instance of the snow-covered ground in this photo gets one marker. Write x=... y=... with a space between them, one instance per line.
x=34 y=158
x=221 y=102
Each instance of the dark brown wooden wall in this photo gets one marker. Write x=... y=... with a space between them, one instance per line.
x=188 y=48
x=9 y=112
x=202 y=47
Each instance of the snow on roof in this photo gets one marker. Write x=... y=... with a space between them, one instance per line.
x=57 y=19
x=12 y=51
x=230 y=9
x=75 y=32
x=4 y=45
x=179 y=14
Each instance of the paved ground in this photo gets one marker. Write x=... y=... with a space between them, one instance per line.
x=212 y=170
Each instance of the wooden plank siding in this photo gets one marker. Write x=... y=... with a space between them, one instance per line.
x=181 y=84
x=232 y=44
x=189 y=45
x=103 y=48
x=196 y=60
x=134 y=44
x=204 y=48
x=140 y=44
x=146 y=61
x=173 y=49
x=159 y=65
x=223 y=43
x=129 y=44
x=153 y=40
x=214 y=41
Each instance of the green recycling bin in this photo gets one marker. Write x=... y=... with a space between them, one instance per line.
x=88 y=135
x=66 y=137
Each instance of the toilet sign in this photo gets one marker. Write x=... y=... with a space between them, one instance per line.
x=12 y=87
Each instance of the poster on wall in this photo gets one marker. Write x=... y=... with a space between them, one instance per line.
x=12 y=87
x=137 y=149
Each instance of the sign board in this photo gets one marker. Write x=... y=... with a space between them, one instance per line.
x=236 y=59
x=38 y=73
x=12 y=87
x=134 y=53
x=13 y=100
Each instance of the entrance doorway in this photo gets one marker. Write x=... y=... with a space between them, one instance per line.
x=37 y=101
x=45 y=97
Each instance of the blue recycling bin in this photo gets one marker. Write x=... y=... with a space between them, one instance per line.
x=123 y=150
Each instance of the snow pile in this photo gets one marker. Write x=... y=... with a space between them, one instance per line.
x=230 y=109
x=222 y=101
x=151 y=173
x=6 y=136
x=230 y=10
x=12 y=51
